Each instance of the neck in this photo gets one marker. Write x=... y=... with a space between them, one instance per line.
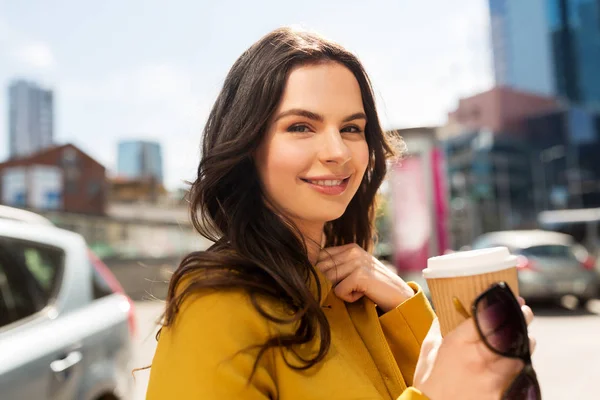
x=314 y=239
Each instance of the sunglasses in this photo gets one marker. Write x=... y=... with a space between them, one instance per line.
x=502 y=327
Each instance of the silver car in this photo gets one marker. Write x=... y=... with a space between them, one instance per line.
x=65 y=325
x=550 y=265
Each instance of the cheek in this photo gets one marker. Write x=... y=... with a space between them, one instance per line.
x=282 y=162
x=360 y=155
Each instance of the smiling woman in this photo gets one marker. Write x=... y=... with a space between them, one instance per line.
x=317 y=158
x=289 y=302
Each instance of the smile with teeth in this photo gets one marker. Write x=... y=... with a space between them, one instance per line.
x=327 y=182
x=331 y=187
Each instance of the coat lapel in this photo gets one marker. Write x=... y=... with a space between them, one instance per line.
x=363 y=314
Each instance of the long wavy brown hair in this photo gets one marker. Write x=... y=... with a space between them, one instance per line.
x=255 y=249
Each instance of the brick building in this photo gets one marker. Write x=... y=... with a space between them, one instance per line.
x=499 y=110
x=61 y=178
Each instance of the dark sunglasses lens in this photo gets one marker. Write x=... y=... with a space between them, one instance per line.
x=524 y=387
x=501 y=323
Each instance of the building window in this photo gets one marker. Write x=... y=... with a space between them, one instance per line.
x=71 y=187
x=93 y=188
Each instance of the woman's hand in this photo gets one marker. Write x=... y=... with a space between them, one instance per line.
x=460 y=366
x=355 y=273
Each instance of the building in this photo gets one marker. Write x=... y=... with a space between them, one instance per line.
x=30 y=118
x=521 y=45
x=550 y=47
x=575 y=40
x=142 y=190
x=60 y=178
x=489 y=161
x=140 y=159
x=490 y=184
x=566 y=144
x=500 y=109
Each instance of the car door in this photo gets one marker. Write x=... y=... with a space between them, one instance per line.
x=37 y=361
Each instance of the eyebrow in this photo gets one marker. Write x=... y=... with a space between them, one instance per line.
x=317 y=117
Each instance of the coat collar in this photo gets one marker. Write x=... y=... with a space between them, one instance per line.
x=326 y=286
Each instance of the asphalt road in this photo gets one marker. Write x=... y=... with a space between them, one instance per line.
x=567 y=358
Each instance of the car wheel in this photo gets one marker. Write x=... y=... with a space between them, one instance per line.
x=108 y=396
x=582 y=302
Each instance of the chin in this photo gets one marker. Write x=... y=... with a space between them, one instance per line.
x=327 y=217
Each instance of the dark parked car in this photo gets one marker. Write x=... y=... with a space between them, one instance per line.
x=551 y=264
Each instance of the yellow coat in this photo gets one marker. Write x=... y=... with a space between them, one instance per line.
x=371 y=357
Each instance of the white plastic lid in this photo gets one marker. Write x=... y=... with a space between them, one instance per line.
x=466 y=263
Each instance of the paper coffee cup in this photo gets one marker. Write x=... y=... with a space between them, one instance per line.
x=465 y=275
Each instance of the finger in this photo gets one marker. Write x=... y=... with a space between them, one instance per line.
x=521 y=301
x=349 y=289
x=527 y=313
x=532 y=344
x=433 y=339
x=342 y=252
x=434 y=336
x=326 y=261
x=507 y=368
x=340 y=272
x=329 y=260
x=338 y=249
x=328 y=264
x=465 y=332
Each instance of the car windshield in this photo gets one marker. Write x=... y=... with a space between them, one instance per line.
x=553 y=251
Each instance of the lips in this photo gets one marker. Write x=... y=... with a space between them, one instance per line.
x=328 y=182
x=328 y=186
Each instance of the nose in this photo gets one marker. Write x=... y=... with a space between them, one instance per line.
x=334 y=150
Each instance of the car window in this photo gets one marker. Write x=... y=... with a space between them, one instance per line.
x=15 y=303
x=29 y=278
x=486 y=244
x=42 y=266
x=7 y=301
x=100 y=287
x=554 y=251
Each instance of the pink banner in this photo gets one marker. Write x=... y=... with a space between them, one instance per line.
x=411 y=215
x=440 y=198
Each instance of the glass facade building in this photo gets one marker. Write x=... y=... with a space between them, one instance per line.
x=140 y=159
x=520 y=45
x=30 y=118
x=566 y=145
x=574 y=27
x=549 y=47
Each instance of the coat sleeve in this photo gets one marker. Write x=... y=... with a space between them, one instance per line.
x=404 y=328
x=204 y=354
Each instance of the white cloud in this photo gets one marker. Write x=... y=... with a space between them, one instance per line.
x=36 y=55
x=430 y=74
x=26 y=52
x=155 y=101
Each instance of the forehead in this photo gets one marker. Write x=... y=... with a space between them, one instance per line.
x=322 y=87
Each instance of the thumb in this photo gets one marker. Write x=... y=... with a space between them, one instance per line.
x=465 y=332
x=433 y=339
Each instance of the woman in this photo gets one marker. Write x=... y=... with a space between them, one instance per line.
x=289 y=303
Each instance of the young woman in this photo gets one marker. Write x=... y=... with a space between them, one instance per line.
x=289 y=303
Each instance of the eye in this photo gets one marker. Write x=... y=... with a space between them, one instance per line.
x=352 y=129
x=299 y=129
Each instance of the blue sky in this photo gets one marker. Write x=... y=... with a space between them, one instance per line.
x=151 y=69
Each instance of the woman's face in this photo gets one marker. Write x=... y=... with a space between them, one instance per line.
x=314 y=154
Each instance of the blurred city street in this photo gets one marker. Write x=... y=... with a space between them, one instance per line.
x=566 y=339
x=109 y=139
